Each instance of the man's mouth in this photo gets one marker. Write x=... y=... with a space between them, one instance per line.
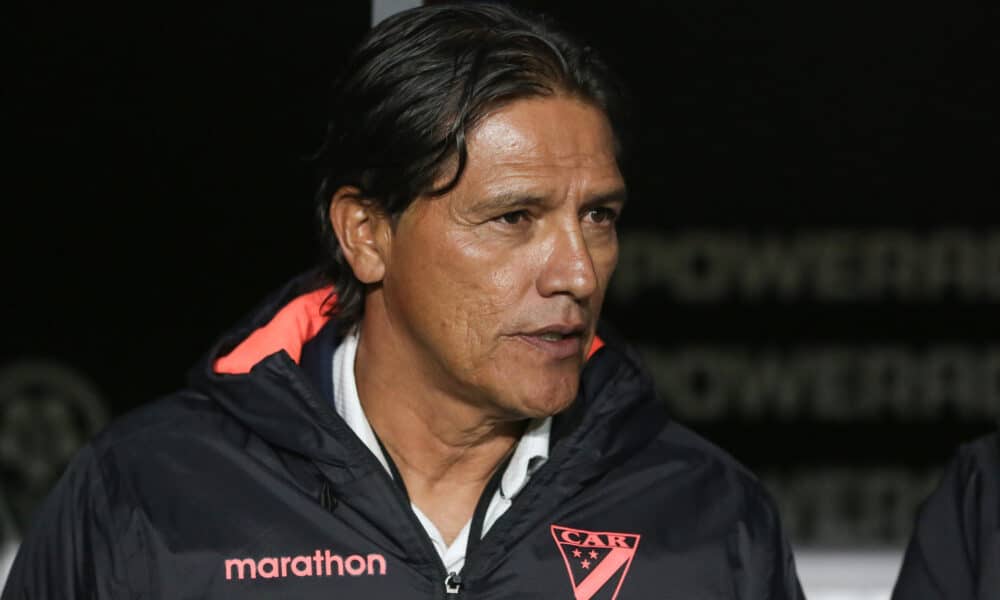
x=555 y=337
x=558 y=341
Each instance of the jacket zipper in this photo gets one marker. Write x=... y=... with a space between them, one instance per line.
x=451 y=582
x=453 y=585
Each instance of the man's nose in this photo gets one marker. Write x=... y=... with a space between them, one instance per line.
x=569 y=268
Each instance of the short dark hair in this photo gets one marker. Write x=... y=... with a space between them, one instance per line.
x=415 y=87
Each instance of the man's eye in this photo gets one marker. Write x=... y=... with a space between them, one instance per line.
x=602 y=215
x=513 y=218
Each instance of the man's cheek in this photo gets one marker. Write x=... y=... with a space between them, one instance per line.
x=503 y=277
x=489 y=299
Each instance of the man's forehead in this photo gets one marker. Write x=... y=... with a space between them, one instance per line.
x=532 y=144
x=552 y=128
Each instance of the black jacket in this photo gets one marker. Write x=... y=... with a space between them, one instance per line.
x=954 y=552
x=251 y=486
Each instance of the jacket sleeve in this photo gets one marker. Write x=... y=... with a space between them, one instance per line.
x=69 y=541
x=954 y=550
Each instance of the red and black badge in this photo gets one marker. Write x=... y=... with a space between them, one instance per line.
x=597 y=561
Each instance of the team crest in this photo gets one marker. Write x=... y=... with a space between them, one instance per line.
x=597 y=561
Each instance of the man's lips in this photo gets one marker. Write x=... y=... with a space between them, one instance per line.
x=557 y=341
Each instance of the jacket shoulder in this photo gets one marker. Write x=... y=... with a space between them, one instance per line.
x=80 y=526
x=981 y=455
x=709 y=471
x=955 y=543
x=679 y=442
x=184 y=413
x=712 y=495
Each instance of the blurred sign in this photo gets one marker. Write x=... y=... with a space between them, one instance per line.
x=837 y=265
x=842 y=365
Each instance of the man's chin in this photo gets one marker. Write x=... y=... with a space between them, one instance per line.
x=550 y=410
x=534 y=390
x=539 y=406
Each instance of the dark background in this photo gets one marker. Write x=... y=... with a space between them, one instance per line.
x=155 y=183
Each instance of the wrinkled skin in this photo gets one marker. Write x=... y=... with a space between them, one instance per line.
x=525 y=243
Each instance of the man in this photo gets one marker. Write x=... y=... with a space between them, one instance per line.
x=954 y=551
x=435 y=413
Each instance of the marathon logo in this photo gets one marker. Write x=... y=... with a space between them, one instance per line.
x=597 y=561
x=320 y=564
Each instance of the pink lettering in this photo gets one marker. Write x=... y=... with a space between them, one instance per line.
x=320 y=563
x=617 y=540
x=298 y=569
x=592 y=540
x=235 y=563
x=335 y=558
x=570 y=536
x=268 y=562
x=374 y=559
x=355 y=565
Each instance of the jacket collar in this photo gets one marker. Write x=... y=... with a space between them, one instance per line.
x=271 y=373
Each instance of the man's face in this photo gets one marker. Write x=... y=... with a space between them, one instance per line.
x=498 y=284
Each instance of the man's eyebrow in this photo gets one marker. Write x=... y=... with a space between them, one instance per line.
x=616 y=195
x=508 y=201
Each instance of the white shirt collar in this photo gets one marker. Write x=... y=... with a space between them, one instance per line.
x=345 y=396
x=531 y=451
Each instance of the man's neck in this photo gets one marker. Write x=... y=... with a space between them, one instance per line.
x=445 y=448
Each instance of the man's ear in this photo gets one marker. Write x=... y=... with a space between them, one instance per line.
x=363 y=231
